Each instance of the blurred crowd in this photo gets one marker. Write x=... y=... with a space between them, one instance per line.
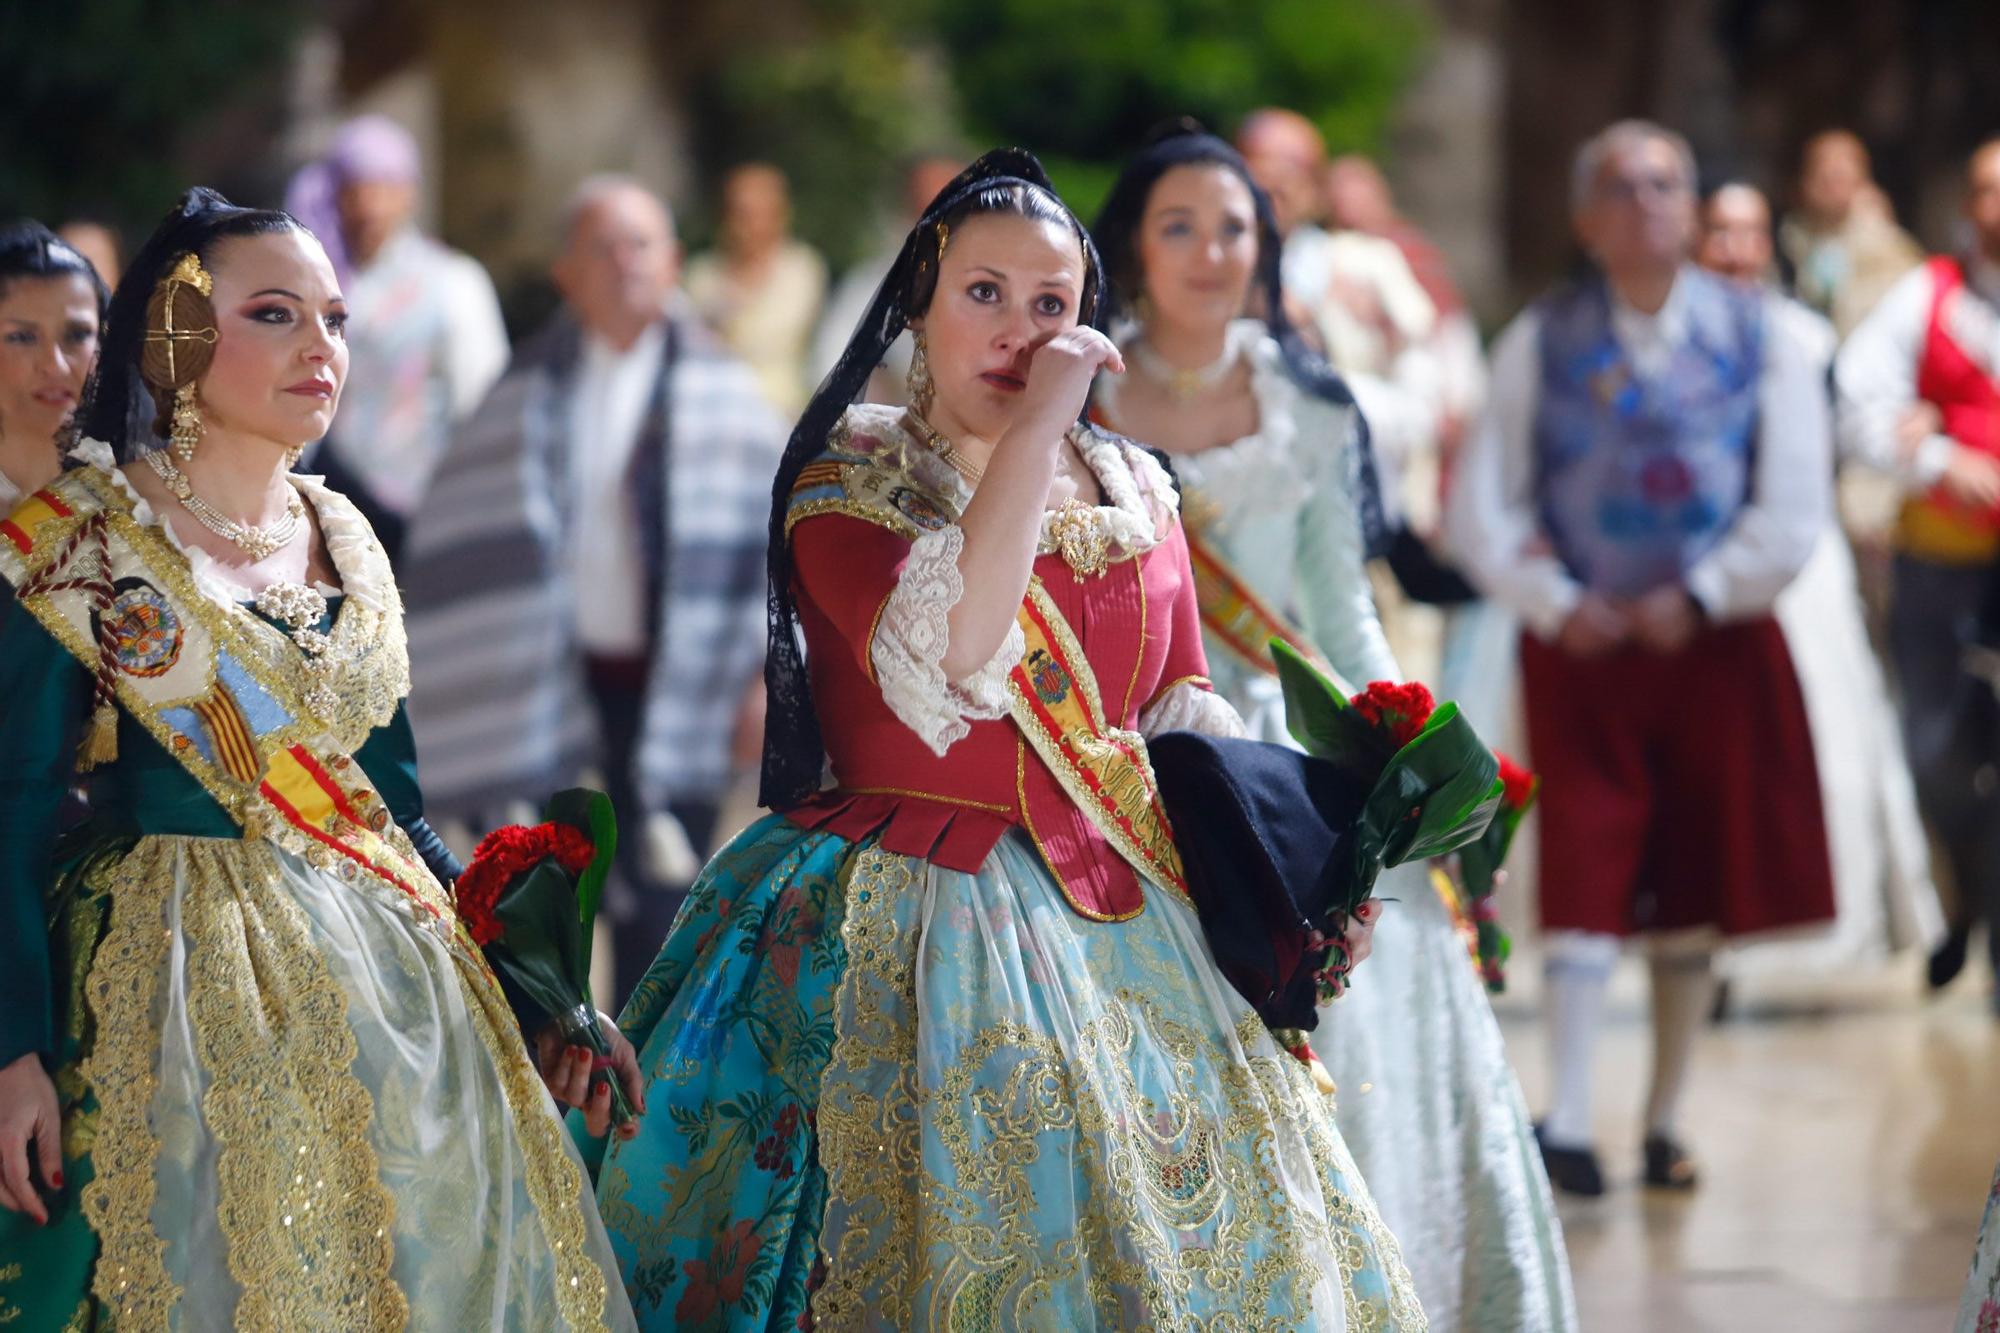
x=468 y=454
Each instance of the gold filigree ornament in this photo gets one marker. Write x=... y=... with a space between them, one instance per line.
x=179 y=345
x=301 y=609
x=1080 y=538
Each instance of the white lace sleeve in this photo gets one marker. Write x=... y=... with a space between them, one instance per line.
x=907 y=651
x=1189 y=707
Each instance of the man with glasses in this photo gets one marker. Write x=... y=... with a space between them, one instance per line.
x=1651 y=473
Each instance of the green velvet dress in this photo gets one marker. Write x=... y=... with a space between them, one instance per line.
x=54 y=902
x=291 y=1095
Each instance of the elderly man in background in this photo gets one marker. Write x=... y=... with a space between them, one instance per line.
x=1843 y=242
x=423 y=327
x=586 y=585
x=1932 y=345
x=761 y=289
x=1652 y=472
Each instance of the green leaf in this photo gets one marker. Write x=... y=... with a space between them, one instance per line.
x=1317 y=713
x=590 y=813
x=1448 y=778
x=692 y=1124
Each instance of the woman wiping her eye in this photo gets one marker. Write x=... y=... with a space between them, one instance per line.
x=940 y=1043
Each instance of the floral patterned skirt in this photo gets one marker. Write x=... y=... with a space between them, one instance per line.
x=1979 y=1308
x=888 y=1095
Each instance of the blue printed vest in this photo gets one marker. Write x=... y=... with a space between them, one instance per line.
x=1639 y=477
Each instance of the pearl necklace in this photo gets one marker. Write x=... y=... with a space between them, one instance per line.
x=949 y=453
x=255 y=542
x=1184 y=385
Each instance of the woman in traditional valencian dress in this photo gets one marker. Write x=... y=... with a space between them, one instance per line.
x=941 y=1045
x=253 y=1074
x=51 y=307
x=1272 y=461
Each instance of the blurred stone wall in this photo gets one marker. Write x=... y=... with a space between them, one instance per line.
x=1481 y=152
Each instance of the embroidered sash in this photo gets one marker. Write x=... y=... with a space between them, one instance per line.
x=1236 y=616
x=1054 y=700
x=222 y=690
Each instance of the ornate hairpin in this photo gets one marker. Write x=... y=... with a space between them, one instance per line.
x=187 y=272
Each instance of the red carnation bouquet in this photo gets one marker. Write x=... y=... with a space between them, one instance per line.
x=529 y=898
x=1479 y=866
x=1431 y=785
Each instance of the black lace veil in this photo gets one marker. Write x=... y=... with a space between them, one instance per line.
x=1004 y=180
x=1185 y=143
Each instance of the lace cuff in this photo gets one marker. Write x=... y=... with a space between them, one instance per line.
x=907 y=651
x=1190 y=707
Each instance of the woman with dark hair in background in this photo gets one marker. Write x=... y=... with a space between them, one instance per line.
x=51 y=309
x=253 y=1073
x=941 y=1044
x=1276 y=490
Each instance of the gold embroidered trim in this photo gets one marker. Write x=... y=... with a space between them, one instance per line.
x=131 y=1274
x=806 y=509
x=1359 y=1227
x=987 y=806
x=300 y=1197
x=1138 y=657
x=868 y=1173
x=553 y=1178
x=1076 y=743
x=868 y=644
x=1042 y=850
x=1175 y=1167
x=1201 y=682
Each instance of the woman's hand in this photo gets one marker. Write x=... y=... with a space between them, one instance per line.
x=567 y=1069
x=29 y=1123
x=1360 y=934
x=1060 y=373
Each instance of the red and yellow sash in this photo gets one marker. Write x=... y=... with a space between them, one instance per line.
x=1233 y=613
x=219 y=689
x=1055 y=702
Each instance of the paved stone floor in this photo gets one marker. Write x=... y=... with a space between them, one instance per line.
x=1847 y=1150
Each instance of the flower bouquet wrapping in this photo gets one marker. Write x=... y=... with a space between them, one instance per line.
x=1479 y=863
x=529 y=898
x=1281 y=846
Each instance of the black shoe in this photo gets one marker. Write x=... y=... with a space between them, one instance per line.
x=1668 y=1165
x=1571 y=1170
x=1948 y=959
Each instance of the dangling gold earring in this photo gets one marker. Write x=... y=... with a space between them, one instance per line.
x=922 y=389
x=187 y=424
x=293 y=455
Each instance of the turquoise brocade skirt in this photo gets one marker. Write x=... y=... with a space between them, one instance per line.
x=907 y=1097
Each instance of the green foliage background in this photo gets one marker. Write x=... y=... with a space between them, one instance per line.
x=110 y=104
x=839 y=99
x=1082 y=84
x=101 y=96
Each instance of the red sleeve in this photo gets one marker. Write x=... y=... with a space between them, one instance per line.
x=1187 y=659
x=847 y=567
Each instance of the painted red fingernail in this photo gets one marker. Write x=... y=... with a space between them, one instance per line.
x=55 y=1179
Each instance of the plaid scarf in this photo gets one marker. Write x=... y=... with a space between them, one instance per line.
x=498 y=698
